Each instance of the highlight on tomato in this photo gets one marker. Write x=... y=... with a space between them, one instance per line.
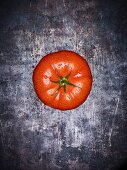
x=62 y=80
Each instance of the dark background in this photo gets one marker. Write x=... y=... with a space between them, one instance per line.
x=36 y=137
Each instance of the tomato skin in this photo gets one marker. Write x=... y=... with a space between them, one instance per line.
x=53 y=88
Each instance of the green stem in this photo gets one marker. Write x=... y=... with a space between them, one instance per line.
x=63 y=82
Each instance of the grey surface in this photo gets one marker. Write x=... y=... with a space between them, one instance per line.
x=36 y=137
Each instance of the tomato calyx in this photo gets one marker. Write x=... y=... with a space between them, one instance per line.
x=63 y=82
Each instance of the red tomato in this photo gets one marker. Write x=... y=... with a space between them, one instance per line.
x=62 y=80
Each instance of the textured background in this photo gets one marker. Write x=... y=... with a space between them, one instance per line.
x=36 y=137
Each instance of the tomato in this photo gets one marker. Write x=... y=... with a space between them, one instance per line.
x=62 y=80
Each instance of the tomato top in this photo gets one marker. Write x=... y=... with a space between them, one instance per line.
x=62 y=80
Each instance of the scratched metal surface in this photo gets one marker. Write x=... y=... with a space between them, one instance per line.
x=34 y=136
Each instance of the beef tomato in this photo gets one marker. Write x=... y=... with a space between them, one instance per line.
x=62 y=80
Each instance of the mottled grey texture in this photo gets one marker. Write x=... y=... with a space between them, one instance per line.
x=36 y=137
